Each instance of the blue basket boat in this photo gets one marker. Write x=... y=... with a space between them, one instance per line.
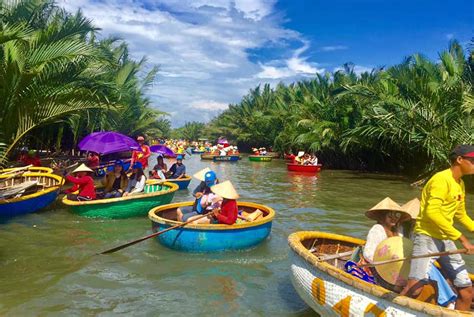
x=33 y=198
x=183 y=183
x=226 y=158
x=211 y=237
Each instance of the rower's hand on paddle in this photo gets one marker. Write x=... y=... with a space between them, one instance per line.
x=198 y=195
x=467 y=245
x=216 y=211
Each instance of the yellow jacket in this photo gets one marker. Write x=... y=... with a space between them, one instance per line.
x=442 y=200
x=109 y=182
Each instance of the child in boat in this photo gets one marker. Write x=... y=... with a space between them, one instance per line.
x=159 y=169
x=208 y=179
x=116 y=181
x=227 y=212
x=137 y=181
x=443 y=199
x=83 y=183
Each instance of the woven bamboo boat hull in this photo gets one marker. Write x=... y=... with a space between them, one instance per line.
x=33 y=169
x=33 y=202
x=260 y=158
x=207 y=156
x=213 y=237
x=330 y=291
x=304 y=168
x=183 y=183
x=124 y=207
x=226 y=158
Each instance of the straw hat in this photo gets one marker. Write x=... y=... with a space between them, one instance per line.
x=386 y=204
x=201 y=175
x=412 y=207
x=395 y=273
x=82 y=168
x=225 y=190
x=300 y=153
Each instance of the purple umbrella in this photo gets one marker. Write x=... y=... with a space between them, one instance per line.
x=222 y=141
x=162 y=149
x=108 y=142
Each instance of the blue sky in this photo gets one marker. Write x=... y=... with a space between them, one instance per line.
x=210 y=53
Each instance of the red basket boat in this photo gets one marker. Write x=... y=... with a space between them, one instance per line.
x=304 y=168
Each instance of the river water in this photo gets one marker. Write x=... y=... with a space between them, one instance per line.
x=48 y=266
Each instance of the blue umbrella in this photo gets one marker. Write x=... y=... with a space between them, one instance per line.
x=108 y=142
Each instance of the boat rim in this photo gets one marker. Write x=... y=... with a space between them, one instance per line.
x=173 y=188
x=320 y=165
x=171 y=180
x=152 y=215
x=31 y=169
x=39 y=192
x=295 y=242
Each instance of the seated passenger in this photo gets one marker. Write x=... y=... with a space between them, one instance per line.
x=208 y=178
x=178 y=170
x=136 y=183
x=227 y=212
x=83 y=183
x=299 y=158
x=160 y=168
x=116 y=181
x=93 y=160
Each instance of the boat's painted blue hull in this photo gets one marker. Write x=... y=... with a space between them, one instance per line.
x=194 y=240
x=183 y=184
x=229 y=158
x=27 y=206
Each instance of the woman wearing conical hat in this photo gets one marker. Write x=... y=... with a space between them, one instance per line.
x=82 y=183
x=227 y=212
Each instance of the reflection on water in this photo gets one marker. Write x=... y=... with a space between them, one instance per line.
x=49 y=267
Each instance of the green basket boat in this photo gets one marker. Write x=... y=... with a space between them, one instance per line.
x=125 y=207
x=260 y=158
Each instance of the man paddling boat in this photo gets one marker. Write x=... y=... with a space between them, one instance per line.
x=443 y=199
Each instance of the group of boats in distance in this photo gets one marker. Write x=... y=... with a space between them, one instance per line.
x=317 y=258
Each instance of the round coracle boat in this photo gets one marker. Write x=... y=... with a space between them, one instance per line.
x=197 y=151
x=208 y=156
x=226 y=158
x=260 y=158
x=183 y=183
x=35 y=169
x=125 y=207
x=304 y=168
x=212 y=237
x=27 y=193
x=318 y=275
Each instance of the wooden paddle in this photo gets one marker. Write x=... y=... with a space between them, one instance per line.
x=123 y=246
x=415 y=257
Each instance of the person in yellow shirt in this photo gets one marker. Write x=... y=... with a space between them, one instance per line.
x=442 y=201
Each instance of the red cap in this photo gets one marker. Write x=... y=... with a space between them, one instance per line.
x=464 y=150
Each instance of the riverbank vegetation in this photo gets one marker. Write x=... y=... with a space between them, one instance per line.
x=404 y=118
x=59 y=82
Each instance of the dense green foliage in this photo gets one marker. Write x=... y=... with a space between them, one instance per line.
x=404 y=118
x=58 y=82
x=190 y=131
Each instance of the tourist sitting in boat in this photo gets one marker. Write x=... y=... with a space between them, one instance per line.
x=115 y=181
x=255 y=151
x=263 y=151
x=160 y=168
x=93 y=160
x=178 y=169
x=83 y=183
x=208 y=179
x=442 y=201
x=299 y=158
x=137 y=181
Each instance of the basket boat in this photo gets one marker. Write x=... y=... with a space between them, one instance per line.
x=183 y=183
x=34 y=198
x=211 y=237
x=304 y=168
x=330 y=291
x=35 y=169
x=260 y=158
x=125 y=207
x=208 y=156
x=226 y=158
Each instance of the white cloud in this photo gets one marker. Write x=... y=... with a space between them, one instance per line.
x=333 y=48
x=201 y=47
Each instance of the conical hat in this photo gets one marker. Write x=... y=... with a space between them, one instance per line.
x=386 y=204
x=395 y=273
x=300 y=153
x=201 y=174
x=82 y=168
x=225 y=190
x=412 y=207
